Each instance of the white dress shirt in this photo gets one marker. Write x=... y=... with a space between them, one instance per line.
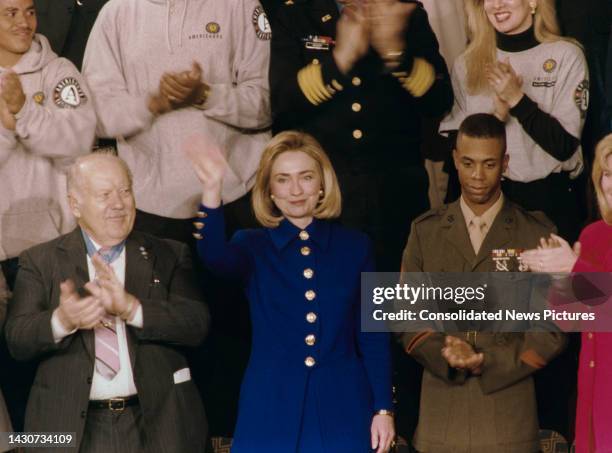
x=123 y=383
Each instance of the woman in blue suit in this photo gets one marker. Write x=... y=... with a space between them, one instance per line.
x=315 y=382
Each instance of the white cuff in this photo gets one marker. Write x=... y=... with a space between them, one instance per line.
x=137 y=320
x=58 y=329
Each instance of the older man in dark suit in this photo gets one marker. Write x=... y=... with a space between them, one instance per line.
x=106 y=311
x=477 y=393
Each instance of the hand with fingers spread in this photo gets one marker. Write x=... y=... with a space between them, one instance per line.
x=388 y=21
x=554 y=254
x=110 y=291
x=76 y=313
x=11 y=91
x=460 y=355
x=352 y=36
x=210 y=166
x=505 y=82
x=382 y=432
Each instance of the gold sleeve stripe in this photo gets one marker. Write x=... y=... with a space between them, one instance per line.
x=421 y=78
x=337 y=85
x=304 y=86
x=310 y=81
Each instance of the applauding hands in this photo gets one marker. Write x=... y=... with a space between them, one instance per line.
x=507 y=87
x=381 y=24
x=460 y=355
x=178 y=90
x=12 y=99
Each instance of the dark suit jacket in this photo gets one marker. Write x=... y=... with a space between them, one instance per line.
x=67 y=25
x=496 y=411
x=174 y=316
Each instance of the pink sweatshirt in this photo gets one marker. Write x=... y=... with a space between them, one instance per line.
x=56 y=124
x=130 y=47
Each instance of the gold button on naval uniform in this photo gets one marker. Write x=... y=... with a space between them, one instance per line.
x=309 y=361
x=310 y=294
x=356 y=81
x=310 y=340
x=356 y=107
x=311 y=317
x=592 y=364
x=304 y=235
x=305 y=251
x=308 y=273
x=357 y=134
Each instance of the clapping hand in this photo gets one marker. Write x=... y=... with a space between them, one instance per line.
x=209 y=165
x=505 y=82
x=352 y=36
x=554 y=254
x=388 y=21
x=75 y=312
x=179 y=89
x=184 y=88
x=460 y=355
x=107 y=289
x=12 y=99
x=12 y=92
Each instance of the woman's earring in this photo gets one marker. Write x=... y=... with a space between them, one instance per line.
x=272 y=196
x=321 y=193
x=533 y=6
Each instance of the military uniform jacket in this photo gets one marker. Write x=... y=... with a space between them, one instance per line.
x=496 y=411
x=368 y=117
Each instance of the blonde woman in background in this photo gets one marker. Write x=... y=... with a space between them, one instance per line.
x=519 y=68
x=593 y=253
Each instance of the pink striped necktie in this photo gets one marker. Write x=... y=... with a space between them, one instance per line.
x=107 y=344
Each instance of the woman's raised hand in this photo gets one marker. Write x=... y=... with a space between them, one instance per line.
x=209 y=165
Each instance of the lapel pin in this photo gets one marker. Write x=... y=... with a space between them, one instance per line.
x=326 y=18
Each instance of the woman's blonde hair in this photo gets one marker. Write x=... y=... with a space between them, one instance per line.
x=600 y=164
x=265 y=210
x=483 y=43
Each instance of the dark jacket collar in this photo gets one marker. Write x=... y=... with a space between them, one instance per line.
x=286 y=231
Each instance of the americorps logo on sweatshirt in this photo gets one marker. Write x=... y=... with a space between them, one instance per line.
x=212 y=30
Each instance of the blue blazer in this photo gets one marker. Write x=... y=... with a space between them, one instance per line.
x=304 y=293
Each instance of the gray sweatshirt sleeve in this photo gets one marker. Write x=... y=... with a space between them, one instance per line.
x=64 y=124
x=120 y=114
x=245 y=101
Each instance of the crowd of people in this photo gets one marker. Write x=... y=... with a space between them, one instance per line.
x=191 y=191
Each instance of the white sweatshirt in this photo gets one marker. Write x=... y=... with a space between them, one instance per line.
x=130 y=47
x=56 y=124
x=555 y=77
